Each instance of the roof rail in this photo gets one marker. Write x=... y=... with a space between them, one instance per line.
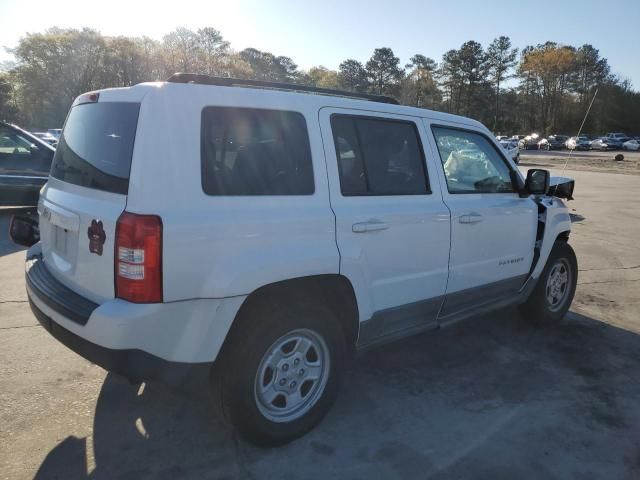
x=242 y=82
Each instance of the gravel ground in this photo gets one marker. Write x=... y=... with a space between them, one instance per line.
x=487 y=398
x=593 y=161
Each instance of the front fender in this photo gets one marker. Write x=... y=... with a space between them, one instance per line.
x=556 y=220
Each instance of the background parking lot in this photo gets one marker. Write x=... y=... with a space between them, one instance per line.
x=488 y=398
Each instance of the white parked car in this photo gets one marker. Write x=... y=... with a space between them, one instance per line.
x=631 y=145
x=578 y=143
x=530 y=142
x=512 y=149
x=46 y=137
x=55 y=132
x=191 y=226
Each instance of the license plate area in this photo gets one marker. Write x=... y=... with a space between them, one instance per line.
x=61 y=241
x=64 y=243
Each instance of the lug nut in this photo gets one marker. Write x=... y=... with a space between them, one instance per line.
x=285 y=367
x=301 y=372
x=296 y=361
x=293 y=384
x=282 y=382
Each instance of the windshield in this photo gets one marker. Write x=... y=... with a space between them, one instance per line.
x=96 y=146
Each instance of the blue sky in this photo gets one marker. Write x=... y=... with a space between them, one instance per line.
x=327 y=32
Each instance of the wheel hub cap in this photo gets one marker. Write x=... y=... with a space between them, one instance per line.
x=557 y=288
x=292 y=375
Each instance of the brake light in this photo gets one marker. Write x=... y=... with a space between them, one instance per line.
x=90 y=97
x=138 y=258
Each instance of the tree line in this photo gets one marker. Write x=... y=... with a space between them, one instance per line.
x=544 y=88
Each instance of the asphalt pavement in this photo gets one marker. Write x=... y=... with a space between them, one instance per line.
x=489 y=398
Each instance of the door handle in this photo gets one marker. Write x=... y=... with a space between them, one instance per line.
x=472 y=217
x=369 y=226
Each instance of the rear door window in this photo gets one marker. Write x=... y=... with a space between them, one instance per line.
x=248 y=151
x=378 y=156
x=96 y=146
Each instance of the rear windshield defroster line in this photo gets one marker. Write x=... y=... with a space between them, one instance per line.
x=96 y=146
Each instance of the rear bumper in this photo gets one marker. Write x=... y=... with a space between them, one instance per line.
x=63 y=300
x=135 y=365
x=161 y=341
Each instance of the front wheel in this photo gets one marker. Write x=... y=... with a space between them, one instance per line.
x=556 y=287
x=281 y=372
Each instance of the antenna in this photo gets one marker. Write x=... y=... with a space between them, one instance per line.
x=579 y=131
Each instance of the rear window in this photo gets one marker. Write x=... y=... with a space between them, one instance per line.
x=96 y=146
x=255 y=152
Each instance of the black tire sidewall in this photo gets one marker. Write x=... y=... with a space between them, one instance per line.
x=536 y=308
x=243 y=357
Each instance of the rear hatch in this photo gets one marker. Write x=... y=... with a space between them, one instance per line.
x=87 y=192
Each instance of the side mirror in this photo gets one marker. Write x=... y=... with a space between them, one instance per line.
x=537 y=182
x=24 y=230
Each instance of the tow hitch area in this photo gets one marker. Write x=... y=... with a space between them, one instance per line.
x=562 y=187
x=23 y=229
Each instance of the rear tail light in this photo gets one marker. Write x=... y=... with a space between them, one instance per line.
x=138 y=258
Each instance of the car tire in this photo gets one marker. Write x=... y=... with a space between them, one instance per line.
x=272 y=390
x=556 y=287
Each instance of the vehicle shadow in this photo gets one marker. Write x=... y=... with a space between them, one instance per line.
x=489 y=398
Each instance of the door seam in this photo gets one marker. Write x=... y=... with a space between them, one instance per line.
x=326 y=171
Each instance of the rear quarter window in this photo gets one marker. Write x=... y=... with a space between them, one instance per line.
x=248 y=151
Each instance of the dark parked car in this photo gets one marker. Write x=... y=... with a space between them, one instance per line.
x=25 y=161
x=553 y=142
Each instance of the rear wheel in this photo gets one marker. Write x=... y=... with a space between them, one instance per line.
x=553 y=294
x=281 y=371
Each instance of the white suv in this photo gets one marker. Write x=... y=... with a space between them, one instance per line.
x=262 y=235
